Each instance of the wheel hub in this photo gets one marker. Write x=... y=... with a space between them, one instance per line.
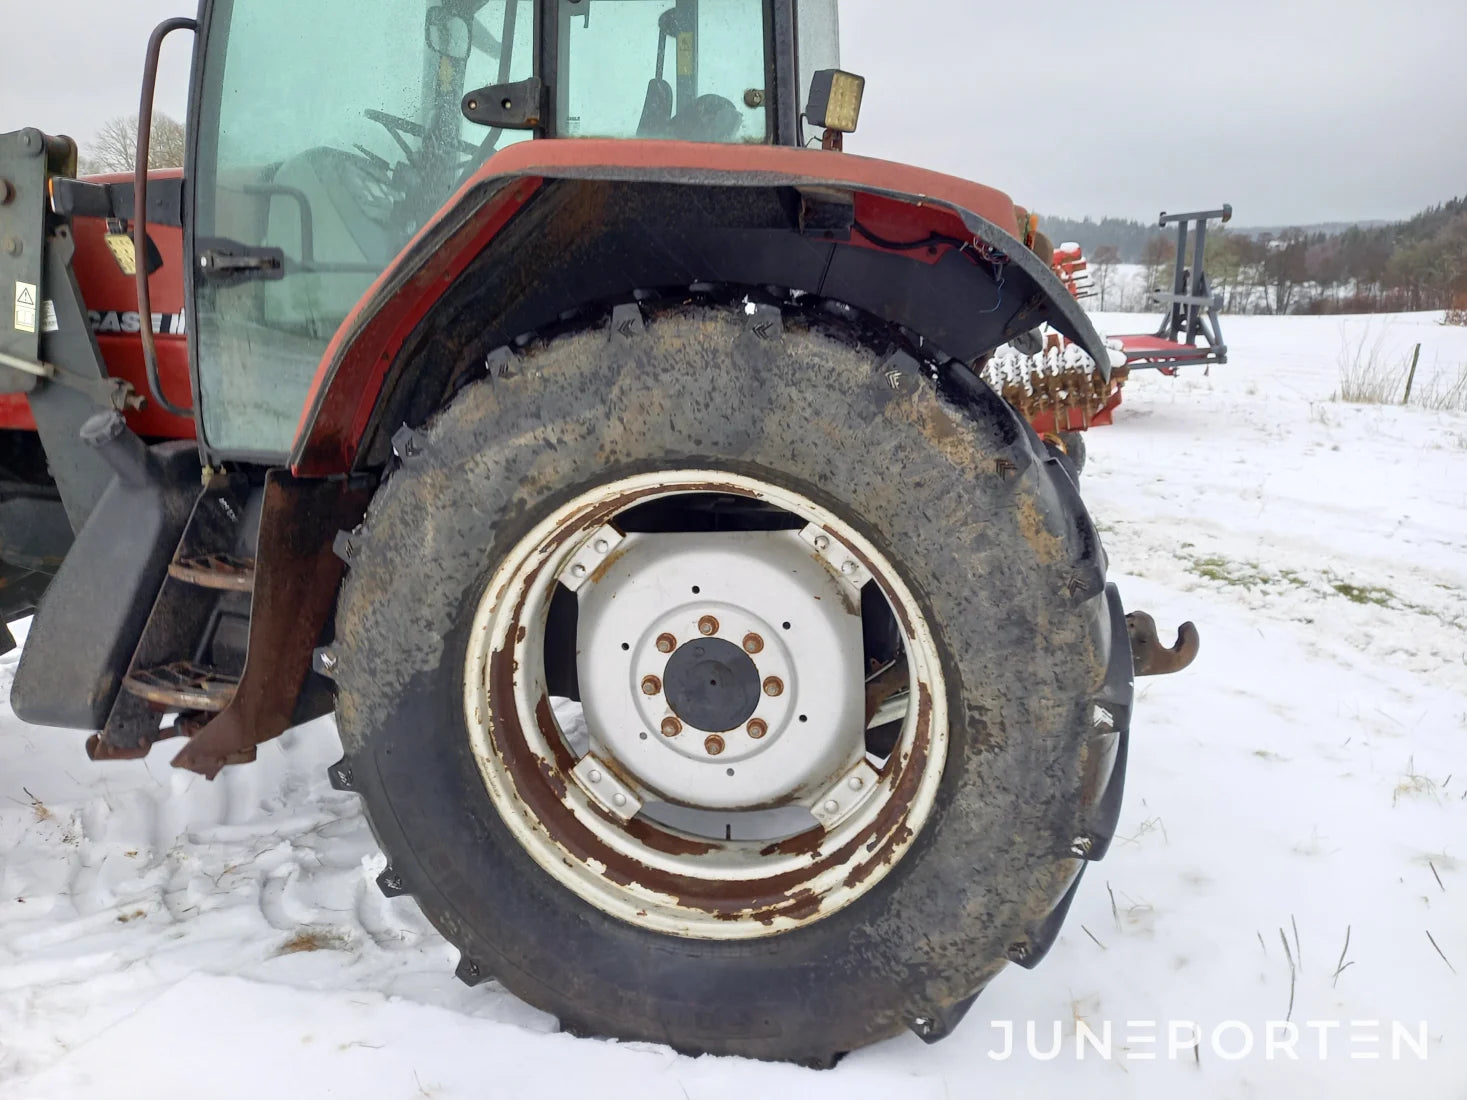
x=721 y=671
x=712 y=684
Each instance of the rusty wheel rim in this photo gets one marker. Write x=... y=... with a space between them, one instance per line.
x=586 y=818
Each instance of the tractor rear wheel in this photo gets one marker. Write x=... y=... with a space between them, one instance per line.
x=724 y=680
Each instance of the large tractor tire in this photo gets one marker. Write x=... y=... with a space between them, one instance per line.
x=852 y=690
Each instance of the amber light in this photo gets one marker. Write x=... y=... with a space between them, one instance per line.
x=835 y=100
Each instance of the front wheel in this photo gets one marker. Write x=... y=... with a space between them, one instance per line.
x=720 y=681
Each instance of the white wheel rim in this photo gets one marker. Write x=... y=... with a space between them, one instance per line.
x=588 y=821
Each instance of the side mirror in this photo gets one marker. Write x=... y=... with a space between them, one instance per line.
x=835 y=100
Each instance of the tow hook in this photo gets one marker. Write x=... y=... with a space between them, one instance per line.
x=1149 y=656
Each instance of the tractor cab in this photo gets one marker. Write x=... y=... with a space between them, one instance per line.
x=314 y=164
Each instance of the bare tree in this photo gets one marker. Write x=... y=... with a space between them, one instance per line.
x=1285 y=268
x=1104 y=260
x=1158 y=254
x=115 y=146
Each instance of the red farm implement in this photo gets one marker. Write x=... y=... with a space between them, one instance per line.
x=1061 y=389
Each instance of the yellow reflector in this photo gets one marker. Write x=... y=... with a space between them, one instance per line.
x=123 y=252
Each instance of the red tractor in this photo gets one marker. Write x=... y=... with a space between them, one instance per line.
x=721 y=661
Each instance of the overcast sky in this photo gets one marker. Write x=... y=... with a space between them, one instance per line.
x=1293 y=110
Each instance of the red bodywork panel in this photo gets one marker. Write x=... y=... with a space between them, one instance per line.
x=349 y=379
x=112 y=300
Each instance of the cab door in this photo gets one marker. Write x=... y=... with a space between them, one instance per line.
x=326 y=134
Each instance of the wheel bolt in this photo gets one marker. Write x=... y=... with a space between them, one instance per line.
x=753 y=643
x=774 y=686
x=707 y=625
x=651 y=685
x=757 y=728
x=848 y=567
x=713 y=743
x=822 y=542
x=666 y=643
x=671 y=727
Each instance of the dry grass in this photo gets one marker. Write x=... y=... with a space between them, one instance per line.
x=38 y=807
x=1369 y=376
x=1442 y=393
x=315 y=939
x=1415 y=785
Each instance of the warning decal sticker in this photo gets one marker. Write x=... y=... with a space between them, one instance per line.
x=25 y=307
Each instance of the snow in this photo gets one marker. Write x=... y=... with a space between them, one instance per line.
x=163 y=936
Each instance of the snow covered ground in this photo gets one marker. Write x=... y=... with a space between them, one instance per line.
x=162 y=936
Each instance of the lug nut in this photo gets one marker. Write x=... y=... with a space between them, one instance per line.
x=713 y=743
x=774 y=686
x=707 y=625
x=666 y=643
x=671 y=727
x=822 y=542
x=847 y=567
x=757 y=728
x=753 y=643
x=651 y=685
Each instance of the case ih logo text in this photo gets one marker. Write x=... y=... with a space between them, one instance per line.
x=113 y=320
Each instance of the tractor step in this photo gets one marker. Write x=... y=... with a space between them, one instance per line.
x=229 y=572
x=191 y=653
x=183 y=685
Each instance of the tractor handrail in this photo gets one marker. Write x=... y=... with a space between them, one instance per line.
x=140 y=209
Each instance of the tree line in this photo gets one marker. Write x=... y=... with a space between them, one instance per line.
x=1416 y=264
